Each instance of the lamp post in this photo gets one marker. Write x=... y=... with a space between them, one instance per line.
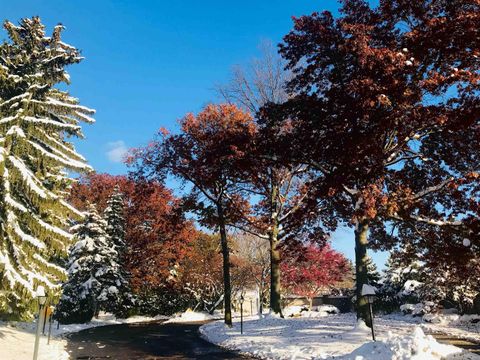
x=42 y=299
x=369 y=293
x=241 y=313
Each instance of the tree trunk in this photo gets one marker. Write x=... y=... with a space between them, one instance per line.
x=260 y=299
x=310 y=300
x=361 y=274
x=275 y=274
x=275 y=258
x=226 y=267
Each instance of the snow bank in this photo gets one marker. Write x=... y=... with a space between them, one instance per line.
x=294 y=310
x=303 y=311
x=104 y=319
x=416 y=346
x=191 y=316
x=336 y=336
x=327 y=309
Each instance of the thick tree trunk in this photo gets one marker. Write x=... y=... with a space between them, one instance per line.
x=275 y=274
x=226 y=268
x=361 y=275
x=310 y=300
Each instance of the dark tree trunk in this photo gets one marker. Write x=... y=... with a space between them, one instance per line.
x=227 y=287
x=275 y=275
x=275 y=258
x=361 y=274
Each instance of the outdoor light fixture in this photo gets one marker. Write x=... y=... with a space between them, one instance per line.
x=42 y=299
x=369 y=293
x=241 y=313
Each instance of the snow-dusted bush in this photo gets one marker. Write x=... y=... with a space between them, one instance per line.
x=419 y=309
x=294 y=310
x=327 y=309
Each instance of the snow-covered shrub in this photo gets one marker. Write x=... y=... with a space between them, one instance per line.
x=294 y=310
x=327 y=309
x=419 y=309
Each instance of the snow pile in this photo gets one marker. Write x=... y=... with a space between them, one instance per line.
x=336 y=336
x=294 y=310
x=416 y=346
x=320 y=311
x=191 y=316
x=302 y=311
x=327 y=309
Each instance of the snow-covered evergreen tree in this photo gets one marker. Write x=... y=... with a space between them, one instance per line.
x=116 y=296
x=90 y=259
x=373 y=276
x=36 y=119
x=114 y=216
x=401 y=282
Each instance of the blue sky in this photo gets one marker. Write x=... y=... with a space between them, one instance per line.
x=147 y=63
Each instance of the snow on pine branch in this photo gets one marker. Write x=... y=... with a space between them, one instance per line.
x=71 y=151
x=12 y=276
x=53 y=123
x=12 y=221
x=28 y=177
x=68 y=163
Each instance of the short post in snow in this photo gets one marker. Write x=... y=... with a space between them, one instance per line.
x=42 y=298
x=45 y=318
x=241 y=313
x=50 y=320
x=369 y=293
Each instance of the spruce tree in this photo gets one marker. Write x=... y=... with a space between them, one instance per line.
x=91 y=259
x=116 y=296
x=373 y=276
x=401 y=282
x=36 y=119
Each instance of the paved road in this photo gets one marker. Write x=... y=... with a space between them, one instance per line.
x=146 y=341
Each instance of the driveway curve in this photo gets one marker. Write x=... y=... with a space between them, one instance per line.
x=146 y=341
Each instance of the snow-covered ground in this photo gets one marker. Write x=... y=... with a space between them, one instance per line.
x=17 y=344
x=331 y=337
x=17 y=338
